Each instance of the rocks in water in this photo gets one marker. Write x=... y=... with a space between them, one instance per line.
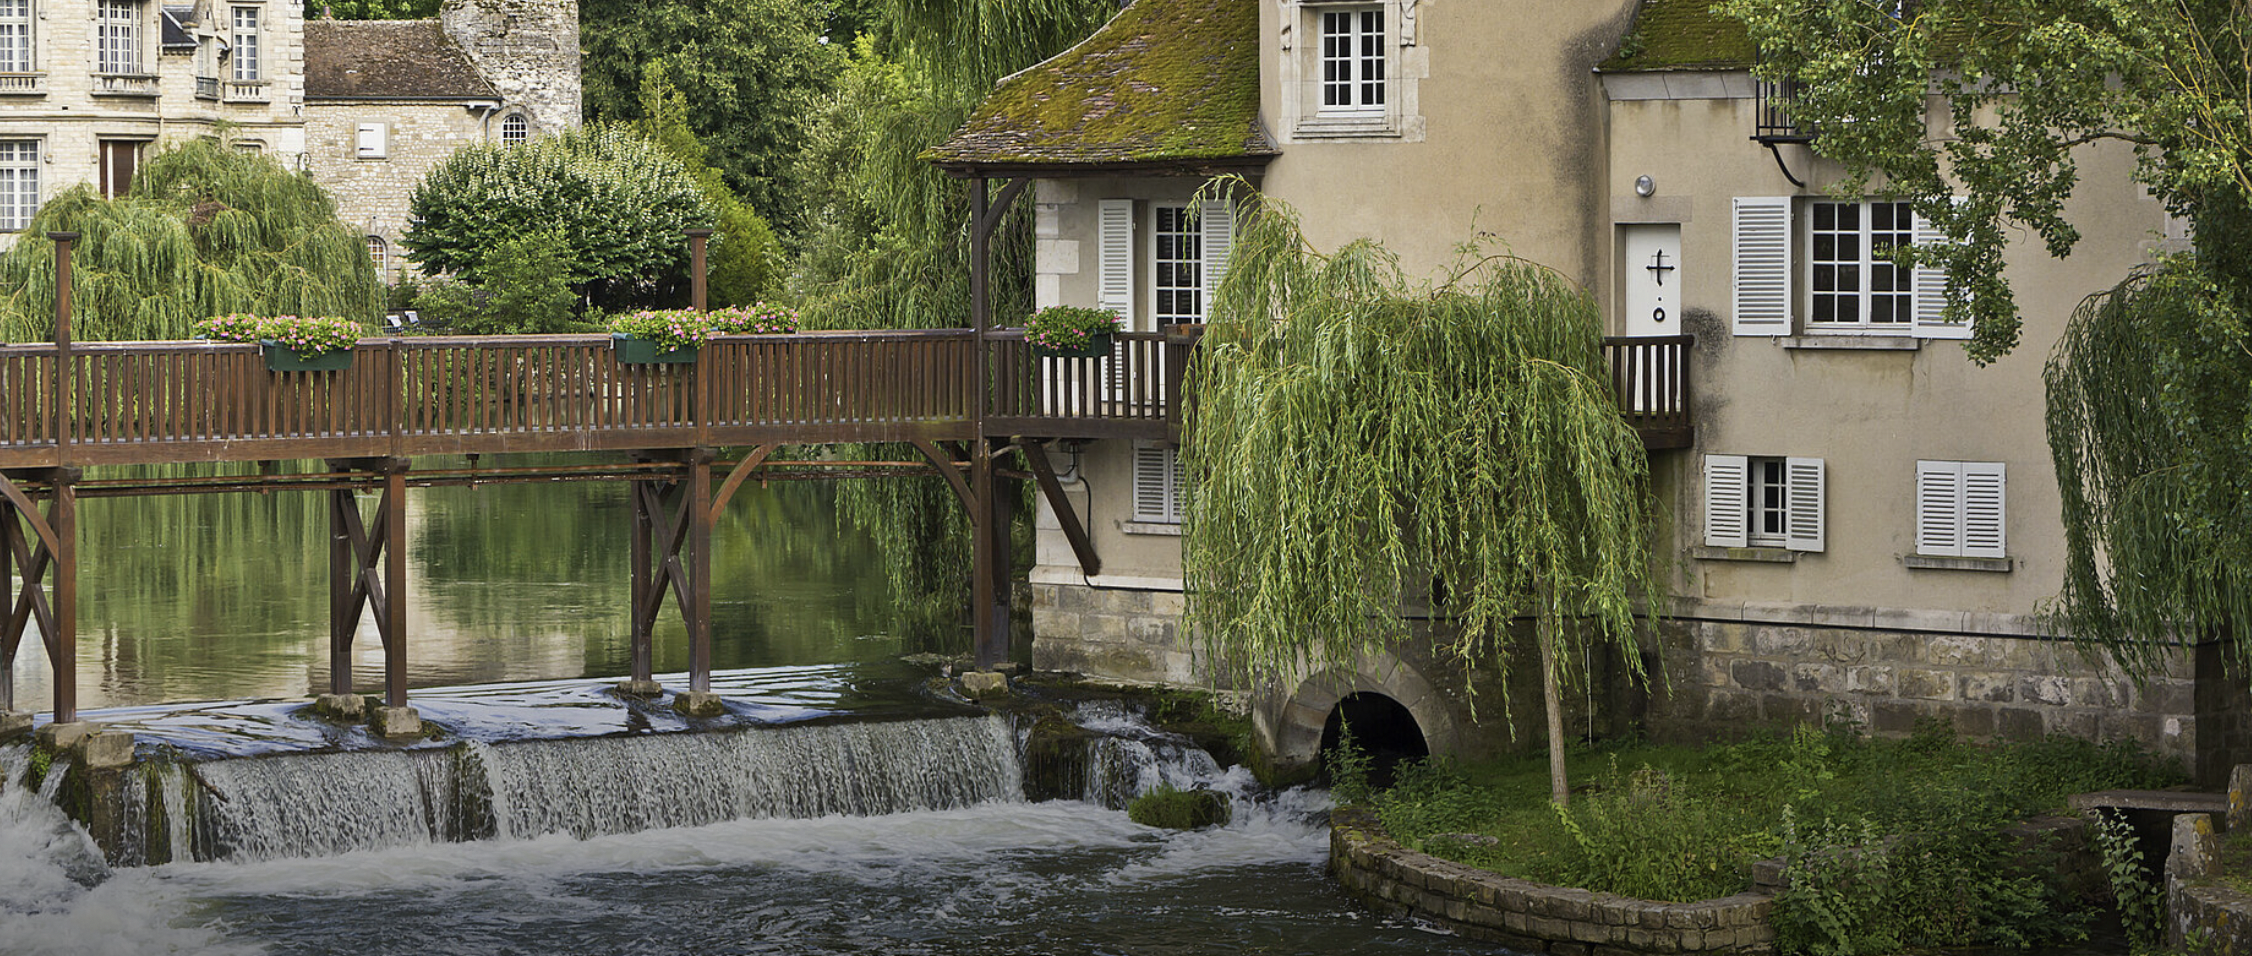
x=1172 y=809
x=698 y=704
x=978 y=685
x=640 y=688
x=346 y=707
x=395 y=722
x=13 y=724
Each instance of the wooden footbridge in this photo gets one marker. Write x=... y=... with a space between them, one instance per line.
x=970 y=401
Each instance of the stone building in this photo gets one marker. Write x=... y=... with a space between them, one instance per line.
x=367 y=107
x=1865 y=523
x=386 y=100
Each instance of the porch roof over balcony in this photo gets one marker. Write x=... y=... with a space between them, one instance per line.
x=1167 y=86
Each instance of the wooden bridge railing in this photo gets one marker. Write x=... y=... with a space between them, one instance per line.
x=143 y=402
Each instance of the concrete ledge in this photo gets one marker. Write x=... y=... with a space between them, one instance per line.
x=395 y=722
x=640 y=688
x=1854 y=343
x=1766 y=555
x=1529 y=916
x=350 y=707
x=697 y=704
x=1925 y=562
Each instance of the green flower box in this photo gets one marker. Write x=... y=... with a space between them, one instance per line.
x=1098 y=346
x=635 y=351
x=282 y=359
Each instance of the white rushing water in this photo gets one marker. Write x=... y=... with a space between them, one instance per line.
x=898 y=837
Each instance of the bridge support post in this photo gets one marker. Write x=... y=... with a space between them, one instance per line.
x=992 y=508
x=672 y=546
x=367 y=564
x=43 y=550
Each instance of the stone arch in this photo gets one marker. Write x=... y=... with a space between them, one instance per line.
x=1292 y=723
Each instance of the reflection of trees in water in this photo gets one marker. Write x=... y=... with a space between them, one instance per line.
x=226 y=595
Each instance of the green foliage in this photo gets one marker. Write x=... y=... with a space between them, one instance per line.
x=669 y=328
x=1068 y=327
x=1642 y=836
x=206 y=230
x=1348 y=766
x=2025 y=82
x=371 y=9
x=1171 y=809
x=528 y=292
x=743 y=264
x=307 y=336
x=1466 y=431
x=751 y=73
x=2140 y=898
x=619 y=203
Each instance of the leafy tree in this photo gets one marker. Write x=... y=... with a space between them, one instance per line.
x=619 y=203
x=524 y=292
x=205 y=230
x=371 y=9
x=2025 y=83
x=750 y=71
x=1465 y=431
x=743 y=264
x=2148 y=415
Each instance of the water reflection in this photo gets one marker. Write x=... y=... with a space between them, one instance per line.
x=226 y=596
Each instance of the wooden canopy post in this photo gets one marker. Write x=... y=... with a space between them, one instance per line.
x=989 y=513
x=697 y=276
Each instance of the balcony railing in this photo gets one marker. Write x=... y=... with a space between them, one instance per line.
x=23 y=84
x=1772 y=111
x=125 y=84
x=207 y=87
x=246 y=91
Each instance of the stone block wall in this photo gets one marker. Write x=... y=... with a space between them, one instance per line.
x=371 y=194
x=1724 y=676
x=1115 y=633
x=529 y=49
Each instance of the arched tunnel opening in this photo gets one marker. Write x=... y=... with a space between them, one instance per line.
x=1381 y=728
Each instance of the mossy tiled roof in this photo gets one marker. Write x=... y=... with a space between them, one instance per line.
x=1681 y=35
x=1165 y=81
x=379 y=59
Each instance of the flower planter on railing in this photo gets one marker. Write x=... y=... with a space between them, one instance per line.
x=638 y=351
x=1098 y=346
x=280 y=358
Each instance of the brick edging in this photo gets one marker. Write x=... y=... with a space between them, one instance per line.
x=1531 y=917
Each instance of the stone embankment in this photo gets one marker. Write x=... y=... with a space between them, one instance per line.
x=2205 y=914
x=1530 y=917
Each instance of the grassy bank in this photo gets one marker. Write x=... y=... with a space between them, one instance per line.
x=1894 y=843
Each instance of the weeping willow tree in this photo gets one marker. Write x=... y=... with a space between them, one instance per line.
x=2150 y=426
x=205 y=230
x=886 y=245
x=1352 y=431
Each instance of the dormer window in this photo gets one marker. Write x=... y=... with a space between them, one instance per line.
x=1350 y=69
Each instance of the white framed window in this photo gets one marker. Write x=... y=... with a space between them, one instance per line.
x=15 y=36
x=514 y=128
x=1187 y=253
x=374 y=141
x=1157 y=483
x=19 y=183
x=1176 y=265
x=379 y=252
x=1836 y=251
x=1959 y=509
x=117 y=36
x=245 y=38
x=1764 y=502
x=1353 y=61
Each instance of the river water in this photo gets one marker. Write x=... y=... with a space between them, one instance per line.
x=839 y=807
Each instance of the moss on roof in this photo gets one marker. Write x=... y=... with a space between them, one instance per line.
x=406 y=59
x=1164 y=80
x=1681 y=35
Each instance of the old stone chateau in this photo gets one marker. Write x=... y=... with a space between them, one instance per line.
x=87 y=86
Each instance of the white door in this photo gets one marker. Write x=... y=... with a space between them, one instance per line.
x=1650 y=271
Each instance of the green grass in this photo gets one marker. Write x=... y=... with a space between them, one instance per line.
x=1915 y=821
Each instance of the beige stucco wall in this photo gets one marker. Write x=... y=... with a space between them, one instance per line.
x=1870 y=414
x=371 y=194
x=1506 y=140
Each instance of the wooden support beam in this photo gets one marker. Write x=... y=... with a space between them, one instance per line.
x=367 y=564
x=696 y=597
x=950 y=468
x=643 y=624
x=736 y=476
x=990 y=645
x=672 y=553
x=1074 y=531
x=48 y=572
x=395 y=585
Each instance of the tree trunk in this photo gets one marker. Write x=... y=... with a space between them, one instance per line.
x=1544 y=633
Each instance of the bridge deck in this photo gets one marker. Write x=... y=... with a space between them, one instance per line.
x=159 y=402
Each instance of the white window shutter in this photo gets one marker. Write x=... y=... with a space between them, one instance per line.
x=1805 y=507
x=1931 y=291
x=1939 y=496
x=1763 y=265
x=1155 y=474
x=1982 y=510
x=1217 y=222
x=373 y=140
x=1727 y=487
x=1115 y=239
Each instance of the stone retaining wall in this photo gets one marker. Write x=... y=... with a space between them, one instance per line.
x=2205 y=916
x=1529 y=916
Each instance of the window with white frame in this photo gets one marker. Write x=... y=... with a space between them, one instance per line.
x=1176 y=265
x=373 y=141
x=1959 y=511
x=1837 y=252
x=379 y=252
x=245 y=39
x=1763 y=502
x=117 y=36
x=1157 y=483
x=1187 y=252
x=19 y=183
x=15 y=36
x=1352 y=60
x=514 y=128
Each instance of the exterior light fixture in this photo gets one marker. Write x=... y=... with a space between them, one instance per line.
x=1644 y=186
